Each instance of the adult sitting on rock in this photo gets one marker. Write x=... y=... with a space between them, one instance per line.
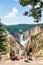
x=12 y=55
x=15 y=56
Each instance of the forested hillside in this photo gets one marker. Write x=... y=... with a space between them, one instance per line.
x=20 y=28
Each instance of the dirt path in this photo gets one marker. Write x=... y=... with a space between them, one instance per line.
x=21 y=62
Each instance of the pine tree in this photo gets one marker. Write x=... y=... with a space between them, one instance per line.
x=35 y=10
x=3 y=45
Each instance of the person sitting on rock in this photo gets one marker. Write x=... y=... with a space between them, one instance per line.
x=12 y=55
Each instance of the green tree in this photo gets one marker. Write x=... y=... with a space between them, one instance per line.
x=36 y=8
x=3 y=45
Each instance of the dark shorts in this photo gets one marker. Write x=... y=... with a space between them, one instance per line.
x=28 y=53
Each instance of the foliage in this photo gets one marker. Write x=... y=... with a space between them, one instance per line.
x=35 y=42
x=3 y=38
x=23 y=27
x=17 y=28
x=34 y=36
x=34 y=39
x=41 y=46
x=36 y=8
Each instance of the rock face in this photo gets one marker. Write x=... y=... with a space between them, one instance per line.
x=13 y=44
x=26 y=29
x=25 y=38
x=35 y=30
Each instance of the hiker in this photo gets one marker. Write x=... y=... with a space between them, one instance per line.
x=12 y=55
x=29 y=53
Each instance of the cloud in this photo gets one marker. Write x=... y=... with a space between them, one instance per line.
x=12 y=14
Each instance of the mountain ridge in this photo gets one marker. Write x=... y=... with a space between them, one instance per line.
x=20 y=28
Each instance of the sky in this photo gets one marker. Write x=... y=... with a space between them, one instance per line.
x=11 y=13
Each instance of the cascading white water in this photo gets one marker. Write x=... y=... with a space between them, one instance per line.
x=21 y=38
x=23 y=42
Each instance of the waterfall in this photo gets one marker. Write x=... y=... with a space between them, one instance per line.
x=21 y=38
x=23 y=42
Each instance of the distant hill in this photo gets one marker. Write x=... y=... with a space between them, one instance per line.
x=20 y=28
